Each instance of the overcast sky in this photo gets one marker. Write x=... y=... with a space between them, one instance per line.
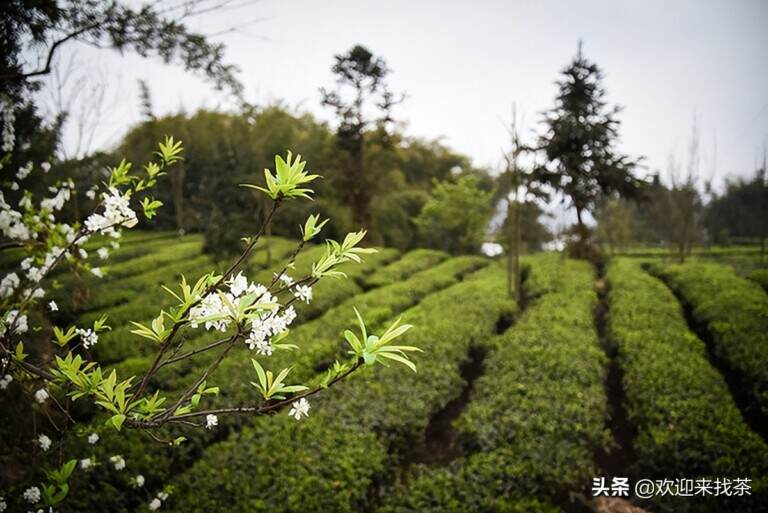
x=463 y=64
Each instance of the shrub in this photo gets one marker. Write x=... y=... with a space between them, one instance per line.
x=760 y=276
x=537 y=413
x=688 y=425
x=413 y=261
x=734 y=312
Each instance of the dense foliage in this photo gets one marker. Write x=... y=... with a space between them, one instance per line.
x=733 y=312
x=536 y=415
x=687 y=422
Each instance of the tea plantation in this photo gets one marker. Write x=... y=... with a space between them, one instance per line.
x=638 y=369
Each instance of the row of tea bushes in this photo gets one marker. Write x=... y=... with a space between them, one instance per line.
x=414 y=261
x=688 y=425
x=760 y=276
x=536 y=415
x=318 y=339
x=734 y=312
x=333 y=460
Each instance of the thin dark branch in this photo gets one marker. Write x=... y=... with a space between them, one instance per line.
x=51 y=52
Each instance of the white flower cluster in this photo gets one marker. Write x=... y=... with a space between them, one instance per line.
x=8 y=285
x=299 y=408
x=158 y=501
x=303 y=293
x=93 y=438
x=85 y=464
x=262 y=328
x=18 y=321
x=139 y=480
x=267 y=326
x=11 y=224
x=35 y=274
x=32 y=495
x=5 y=381
x=41 y=396
x=9 y=130
x=117 y=212
x=118 y=461
x=211 y=421
x=88 y=337
x=44 y=442
x=24 y=171
x=60 y=196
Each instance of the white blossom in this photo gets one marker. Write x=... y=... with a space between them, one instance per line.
x=265 y=327
x=155 y=504
x=303 y=293
x=211 y=421
x=5 y=381
x=85 y=464
x=88 y=337
x=45 y=166
x=8 y=285
x=44 y=442
x=18 y=320
x=24 y=171
x=287 y=280
x=162 y=496
x=118 y=461
x=238 y=285
x=299 y=408
x=41 y=396
x=96 y=271
x=117 y=212
x=32 y=495
x=139 y=479
x=3 y=504
x=103 y=253
x=52 y=306
x=93 y=438
x=57 y=202
x=35 y=274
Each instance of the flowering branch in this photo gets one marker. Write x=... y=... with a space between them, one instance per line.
x=214 y=302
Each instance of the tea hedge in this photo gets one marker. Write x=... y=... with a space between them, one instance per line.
x=760 y=276
x=688 y=425
x=734 y=312
x=413 y=261
x=537 y=413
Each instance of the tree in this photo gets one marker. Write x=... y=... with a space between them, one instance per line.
x=361 y=101
x=741 y=211
x=456 y=217
x=579 y=142
x=45 y=26
x=614 y=222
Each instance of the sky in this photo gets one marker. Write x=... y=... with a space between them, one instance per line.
x=463 y=65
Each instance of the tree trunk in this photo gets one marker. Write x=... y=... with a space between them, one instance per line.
x=177 y=183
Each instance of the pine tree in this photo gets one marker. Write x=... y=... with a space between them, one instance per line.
x=582 y=161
